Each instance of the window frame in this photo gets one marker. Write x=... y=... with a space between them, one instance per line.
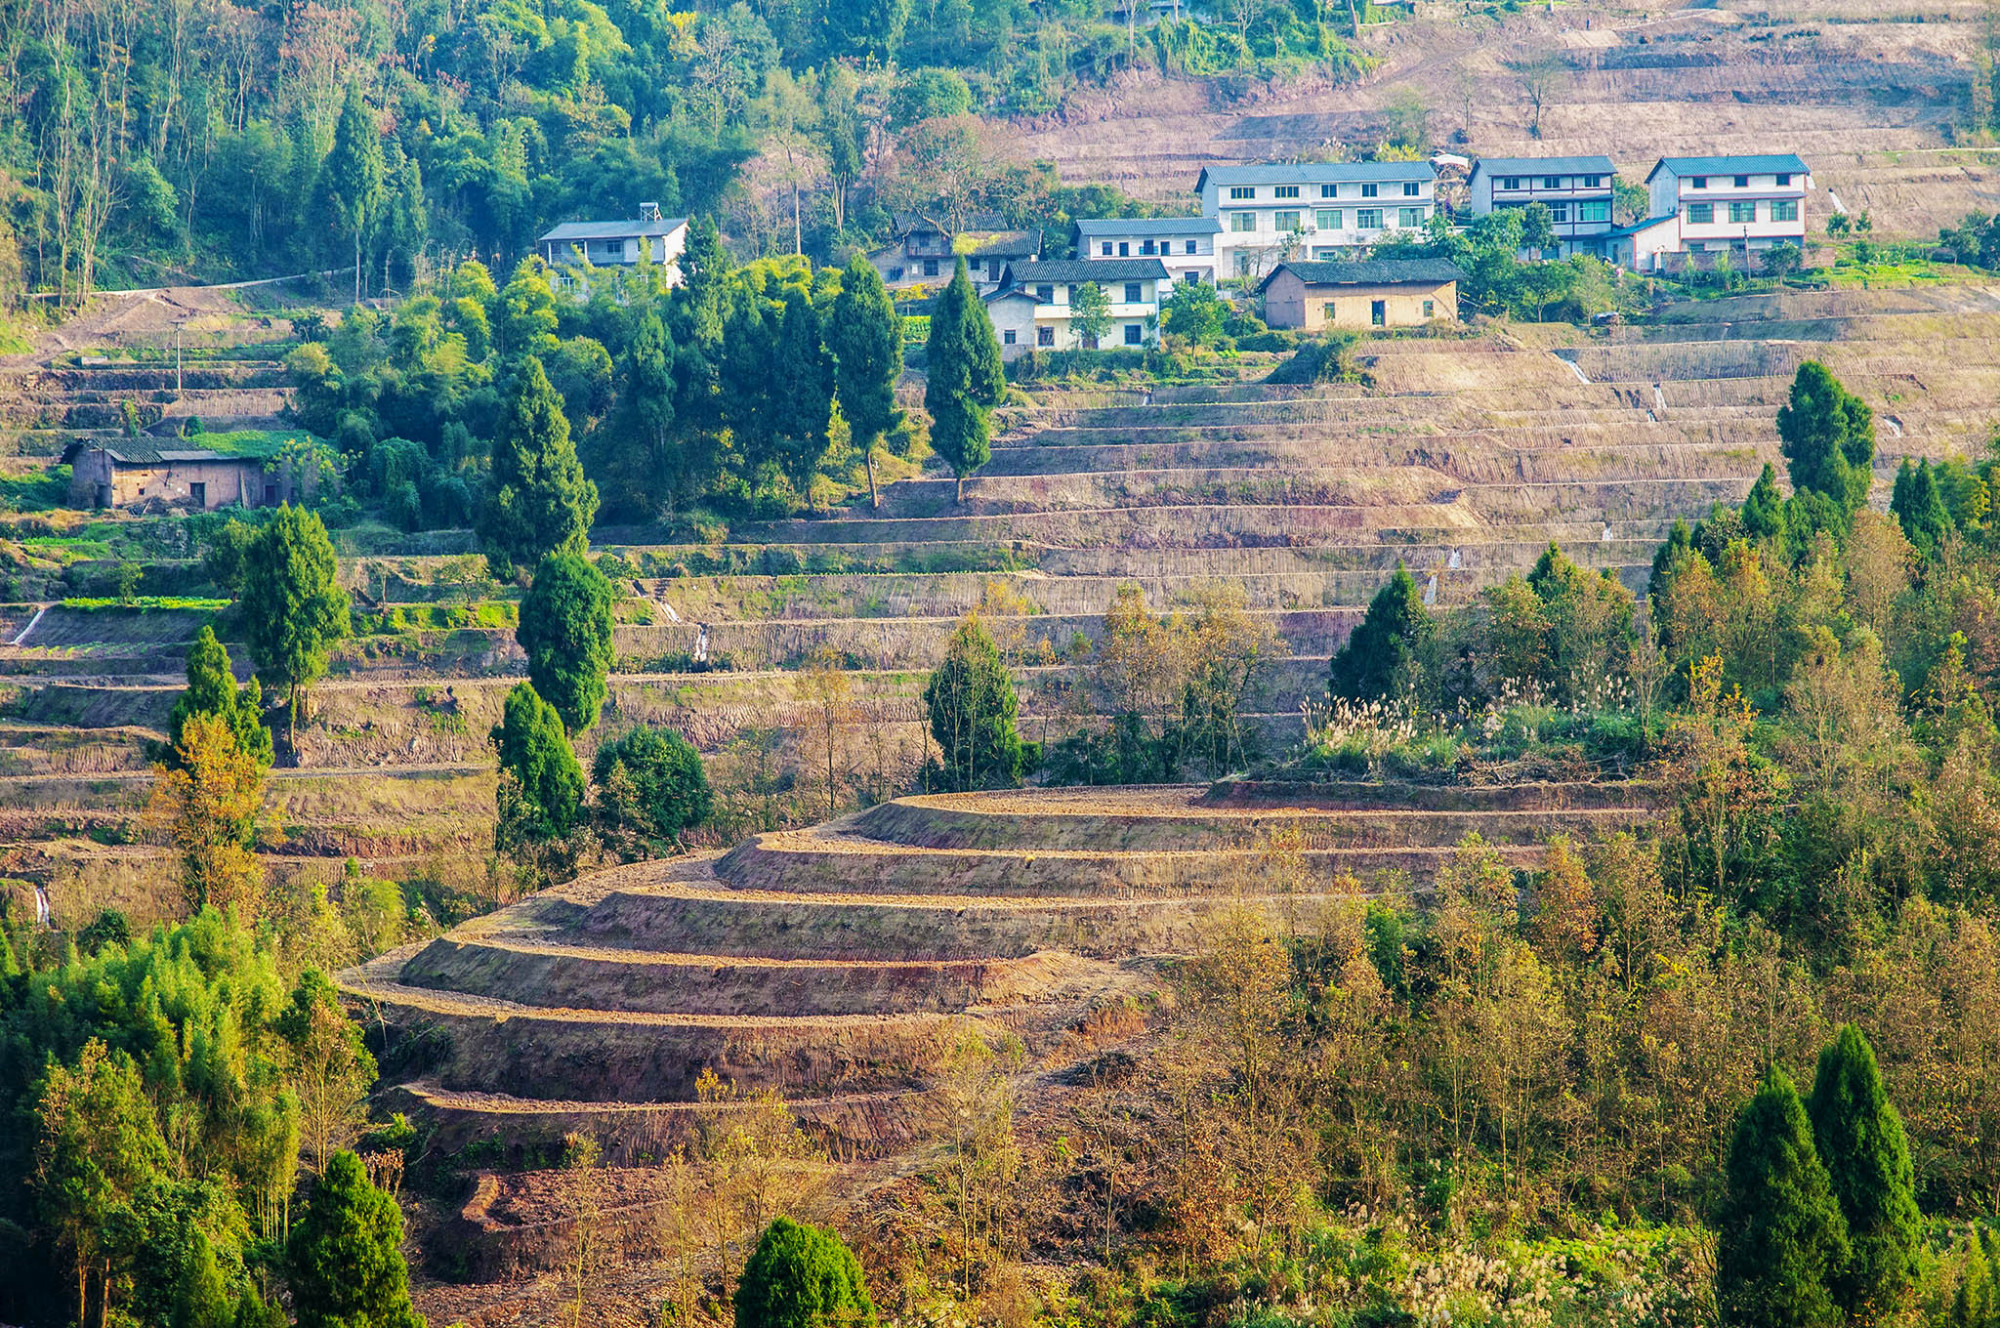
x=1329 y=219
x=1409 y=218
x=1371 y=191
x=1701 y=214
x=1242 y=193
x=1784 y=209
x=1361 y=222
x=1288 y=222
x=1285 y=191
x=1242 y=223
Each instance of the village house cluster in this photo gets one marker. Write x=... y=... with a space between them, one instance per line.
x=1297 y=233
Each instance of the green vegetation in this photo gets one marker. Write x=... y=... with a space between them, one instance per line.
x=293 y=608
x=1781 y=1235
x=212 y=690
x=801 y=1276
x=963 y=379
x=650 y=784
x=566 y=630
x=972 y=707
x=145 y=604
x=1372 y=663
x=541 y=503
x=345 y=1257
x=541 y=784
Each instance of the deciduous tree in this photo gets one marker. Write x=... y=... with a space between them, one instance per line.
x=207 y=801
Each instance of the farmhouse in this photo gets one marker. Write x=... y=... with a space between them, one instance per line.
x=1361 y=293
x=1716 y=205
x=987 y=261
x=926 y=252
x=1268 y=214
x=1034 y=307
x=1578 y=192
x=575 y=245
x=1184 y=245
x=131 y=471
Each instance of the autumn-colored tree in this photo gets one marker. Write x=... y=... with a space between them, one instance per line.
x=206 y=803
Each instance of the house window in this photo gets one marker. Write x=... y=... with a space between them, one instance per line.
x=1190 y=246
x=1045 y=335
x=1559 y=212
x=1242 y=191
x=1698 y=182
x=270 y=494
x=1124 y=249
x=1286 y=221
x=1784 y=181
x=1785 y=209
x=1242 y=265
x=1134 y=334
x=1701 y=214
x=1412 y=190
x=1368 y=190
x=1593 y=182
x=1107 y=249
x=1285 y=191
x=1742 y=182
x=1510 y=182
x=1410 y=216
x=1325 y=254
x=1430 y=309
x=1552 y=182
x=993 y=270
x=1145 y=246
x=1242 y=222
x=1045 y=295
x=1132 y=295
x=1368 y=219
x=895 y=274
x=1378 y=313
x=1593 y=212
x=199 y=493
x=1327 y=219
x=1007 y=337
x=1329 y=191
x=1742 y=212
x=930 y=267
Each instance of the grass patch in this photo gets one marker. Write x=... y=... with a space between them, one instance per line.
x=43 y=491
x=146 y=604
x=396 y=619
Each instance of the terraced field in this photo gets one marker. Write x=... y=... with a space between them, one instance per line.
x=1462 y=456
x=836 y=964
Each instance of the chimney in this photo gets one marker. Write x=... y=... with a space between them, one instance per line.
x=649 y=212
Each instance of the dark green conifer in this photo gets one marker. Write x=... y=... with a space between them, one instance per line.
x=1764 y=508
x=541 y=784
x=1859 y=1138
x=1920 y=507
x=972 y=710
x=345 y=1255
x=964 y=378
x=1368 y=664
x=540 y=503
x=1828 y=437
x=801 y=1276
x=212 y=690
x=1780 y=1233
x=566 y=630
x=292 y=605
x=866 y=338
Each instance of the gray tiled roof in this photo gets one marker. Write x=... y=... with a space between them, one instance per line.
x=1373 y=272
x=1082 y=269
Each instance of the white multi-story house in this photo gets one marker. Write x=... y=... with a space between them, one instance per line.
x=1033 y=308
x=1717 y=205
x=1578 y=192
x=1311 y=210
x=1185 y=246
x=574 y=245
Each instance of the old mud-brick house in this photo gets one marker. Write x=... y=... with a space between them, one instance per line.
x=126 y=472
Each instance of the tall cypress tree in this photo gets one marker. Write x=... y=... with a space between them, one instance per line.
x=345 y=1254
x=1919 y=507
x=212 y=690
x=541 y=784
x=1781 y=1233
x=965 y=379
x=540 y=501
x=1860 y=1141
x=566 y=630
x=1764 y=507
x=866 y=338
x=1828 y=437
x=803 y=402
x=352 y=173
x=972 y=709
x=292 y=607
x=1366 y=665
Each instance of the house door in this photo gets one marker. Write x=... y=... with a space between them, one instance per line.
x=1378 y=313
x=199 y=492
x=104 y=495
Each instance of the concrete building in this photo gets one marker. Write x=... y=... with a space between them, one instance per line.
x=988 y=259
x=1268 y=214
x=1033 y=308
x=1578 y=191
x=568 y=248
x=1185 y=246
x=1361 y=294
x=130 y=471
x=920 y=255
x=1702 y=206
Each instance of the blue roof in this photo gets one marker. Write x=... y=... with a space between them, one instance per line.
x=1149 y=226
x=1643 y=224
x=612 y=230
x=1773 y=164
x=1544 y=166
x=1316 y=172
